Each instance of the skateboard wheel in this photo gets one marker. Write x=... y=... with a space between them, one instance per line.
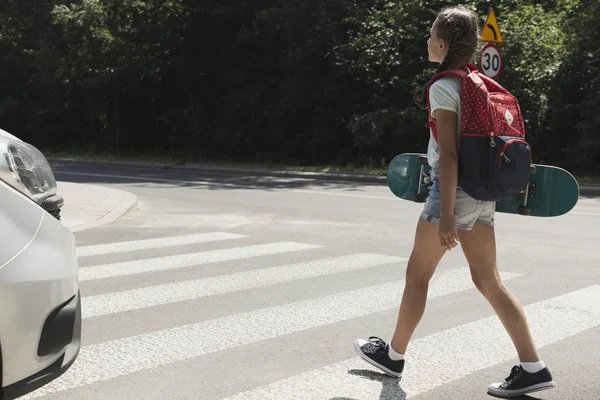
x=422 y=160
x=419 y=198
x=524 y=210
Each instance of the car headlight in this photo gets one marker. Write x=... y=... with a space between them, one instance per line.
x=26 y=169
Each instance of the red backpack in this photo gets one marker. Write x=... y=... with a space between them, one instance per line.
x=494 y=157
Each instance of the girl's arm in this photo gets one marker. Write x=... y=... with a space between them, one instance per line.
x=448 y=171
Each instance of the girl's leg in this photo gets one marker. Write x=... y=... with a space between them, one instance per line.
x=426 y=254
x=479 y=247
x=424 y=259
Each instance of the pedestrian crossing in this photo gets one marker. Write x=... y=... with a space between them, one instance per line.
x=552 y=319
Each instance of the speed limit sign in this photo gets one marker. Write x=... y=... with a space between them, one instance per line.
x=491 y=60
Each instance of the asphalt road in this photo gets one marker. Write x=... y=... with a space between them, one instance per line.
x=221 y=286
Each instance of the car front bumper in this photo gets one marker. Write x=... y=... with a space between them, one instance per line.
x=62 y=326
x=40 y=317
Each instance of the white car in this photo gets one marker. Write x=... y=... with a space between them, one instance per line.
x=40 y=307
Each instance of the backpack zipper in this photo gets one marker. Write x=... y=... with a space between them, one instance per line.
x=502 y=154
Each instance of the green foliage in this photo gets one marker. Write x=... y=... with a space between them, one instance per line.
x=534 y=51
x=294 y=81
x=573 y=118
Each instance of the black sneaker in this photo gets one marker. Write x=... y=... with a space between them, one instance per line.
x=520 y=382
x=375 y=352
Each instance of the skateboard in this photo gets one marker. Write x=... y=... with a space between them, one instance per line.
x=551 y=191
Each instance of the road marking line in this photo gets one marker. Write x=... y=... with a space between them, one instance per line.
x=133 y=245
x=442 y=357
x=588 y=214
x=188 y=260
x=339 y=194
x=174 y=292
x=108 y=360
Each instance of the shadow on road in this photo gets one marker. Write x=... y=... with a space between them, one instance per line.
x=392 y=390
x=149 y=176
x=213 y=179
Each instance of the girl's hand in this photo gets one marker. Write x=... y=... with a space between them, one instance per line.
x=447 y=232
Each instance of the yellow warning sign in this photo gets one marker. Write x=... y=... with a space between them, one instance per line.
x=491 y=30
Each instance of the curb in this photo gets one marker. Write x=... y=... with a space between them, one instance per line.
x=129 y=203
x=589 y=190
x=86 y=212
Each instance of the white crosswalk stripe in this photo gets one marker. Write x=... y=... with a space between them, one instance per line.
x=188 y=260
x=169 y=293
x=551 y=320
x=94 y=250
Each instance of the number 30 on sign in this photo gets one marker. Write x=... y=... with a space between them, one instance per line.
x=491 y=60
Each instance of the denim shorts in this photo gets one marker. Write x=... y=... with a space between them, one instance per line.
x=467 y=210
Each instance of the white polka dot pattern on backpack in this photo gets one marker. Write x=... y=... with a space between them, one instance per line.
x=486 y=106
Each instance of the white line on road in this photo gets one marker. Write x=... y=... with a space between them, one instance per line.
x=340 y=194
x=442 y=357
x=120 y=247
x=584 y=214
x=170 y=293
x=188 y=260
x=105 y=361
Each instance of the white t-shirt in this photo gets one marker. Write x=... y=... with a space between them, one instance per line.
x=444 y=94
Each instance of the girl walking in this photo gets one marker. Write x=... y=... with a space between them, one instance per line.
x=450 y=216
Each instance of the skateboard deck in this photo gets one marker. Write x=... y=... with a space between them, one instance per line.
x=551 y=191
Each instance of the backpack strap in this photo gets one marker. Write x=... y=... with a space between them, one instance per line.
x=462 y=73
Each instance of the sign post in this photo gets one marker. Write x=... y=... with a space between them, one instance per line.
x=491 y=61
